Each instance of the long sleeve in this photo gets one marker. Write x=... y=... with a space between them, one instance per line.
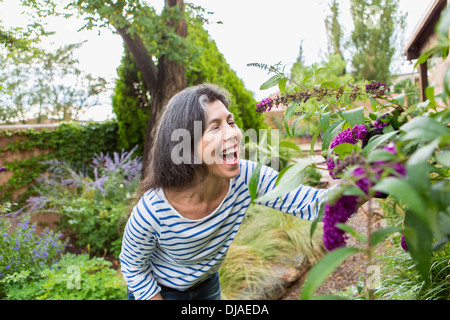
x=303 y=202
x=139 y=242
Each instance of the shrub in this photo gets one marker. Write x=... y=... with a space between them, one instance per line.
x=93 y=208
x=74 y=277
x=23 y=251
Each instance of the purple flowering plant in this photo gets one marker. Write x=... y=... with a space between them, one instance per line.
x=23 y=250
x=389 y=150
x=92 y=205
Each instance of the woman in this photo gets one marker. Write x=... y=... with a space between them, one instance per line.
x=191 y=205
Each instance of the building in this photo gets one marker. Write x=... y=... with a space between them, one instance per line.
x=423 y=38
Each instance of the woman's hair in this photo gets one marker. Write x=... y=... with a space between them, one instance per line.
x=182 y=112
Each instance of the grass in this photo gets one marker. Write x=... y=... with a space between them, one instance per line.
x=265 y=238
x=401 y=280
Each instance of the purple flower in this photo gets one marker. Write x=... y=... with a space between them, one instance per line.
x=403 y=243
x=2 y=169
x=264 y=106
x=333 y=236
x=349 y=135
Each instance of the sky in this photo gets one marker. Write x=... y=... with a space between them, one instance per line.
x=263 y=31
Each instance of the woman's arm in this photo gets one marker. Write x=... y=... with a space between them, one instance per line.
x=303 y=202
x=139 y=241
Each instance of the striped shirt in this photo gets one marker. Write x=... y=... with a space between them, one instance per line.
x=160 y=246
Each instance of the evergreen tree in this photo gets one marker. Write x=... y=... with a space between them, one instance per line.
x=377 y=25
x=334 y=30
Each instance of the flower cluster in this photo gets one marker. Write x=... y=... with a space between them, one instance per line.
x=377 y=89
x=339 y=212
x=319 y=93
x=345 y=206
x=2 y=169
x=23 y=249
x=350 y=135
x=264 y=106
x=380 y=124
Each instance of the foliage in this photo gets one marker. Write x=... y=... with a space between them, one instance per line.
x=44 y=85
x=94 y=209
x=403 y=153
x=74 y=277
x=24 y=251
x=72 y=143
x=401 y=281
x=131 y=105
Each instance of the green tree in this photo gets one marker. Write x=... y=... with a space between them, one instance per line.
x=156 y=42
x=42 y=85
x=334 y=31
x=377 y=27
x=132 y=100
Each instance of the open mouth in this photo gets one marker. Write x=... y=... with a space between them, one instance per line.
x=230 y=156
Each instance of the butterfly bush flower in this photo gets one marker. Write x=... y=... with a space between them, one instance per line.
x=339 y=212
x=349 y=135
x=345 y=206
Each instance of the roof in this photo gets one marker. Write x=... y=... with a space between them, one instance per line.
x=424 y=29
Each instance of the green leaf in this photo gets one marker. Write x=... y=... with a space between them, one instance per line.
x=272 y=82
x=290 y=145
x=282 y=85
x=381 y=235
x=423 y=154
x=330 y=84
x=443 y=158
x=253 y=184
x=320 y=272
x=419 y=240
x=354 y=116
x=380 y=155
x=313 y=141
x=443 y=24
x=290 y=180
x=331 y=132
x=423 y=128
x=325 y=121
x=319 y=218
x=447 y=83
x=376 y=141
x=401 y=190
x=294 y=125
x=344 y=149
x=400 y=98
x=287 y=115
x=423 y=58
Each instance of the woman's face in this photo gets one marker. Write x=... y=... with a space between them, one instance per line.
x=219 y=147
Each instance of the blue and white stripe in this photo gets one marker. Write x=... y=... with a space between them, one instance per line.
x=160 y=246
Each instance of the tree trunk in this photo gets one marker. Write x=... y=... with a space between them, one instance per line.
x=162 y=81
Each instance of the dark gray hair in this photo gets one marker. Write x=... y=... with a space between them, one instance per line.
x=182 y=111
